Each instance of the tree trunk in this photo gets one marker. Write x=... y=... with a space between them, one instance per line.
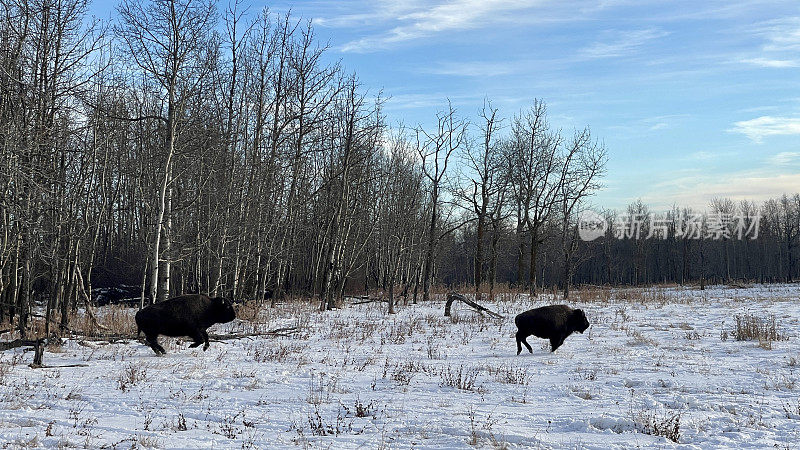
x=155 y=259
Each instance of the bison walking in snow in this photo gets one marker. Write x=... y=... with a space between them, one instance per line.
x=554 y=322
x=187 y=315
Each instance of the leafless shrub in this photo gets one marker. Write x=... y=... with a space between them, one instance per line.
x=117 y=319
x=754 y=328
x=359 y=409
x=320 y=388
x=692 y=336
x=81 y=423
x=228 y=425
x=792 y=411
x=479 y=429
x=131 y=375
x=461 y=378
x=784 y=383
x=403 y=372
x=581 y=393
x=587 y=374
x=5 y=369
x=147 y=441
x=593 y=294
x=666 y=425
x=640 y=339
x=281 y=352
x=320 y=427
x=249 y=311
x=180 y=423
x=433 y=349
x=510 y=374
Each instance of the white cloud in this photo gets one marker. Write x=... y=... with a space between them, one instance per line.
x=759 y=128
x=701 y=156
x=382 y=10
x=772 y=63
x=697 y=188
x=781 y=43
x=475 y=68
x=425 y=20
x=622 y=43
x=782 y=34
x=785 y=158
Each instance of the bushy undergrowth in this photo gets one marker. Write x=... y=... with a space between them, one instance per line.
x=754 y=328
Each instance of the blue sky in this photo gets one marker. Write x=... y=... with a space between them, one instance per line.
x=693 y=99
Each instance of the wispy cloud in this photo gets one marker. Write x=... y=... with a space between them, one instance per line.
x=620 y=43
x=701 y=156
x=475 y=68
x=646 y=126
x=426 y=20
x=771 y=63
x=781 y=35
x=780 y=44
x=381 y=11
x=759 y=128
x=697 y=189
x=430 y=100
x=785 y=158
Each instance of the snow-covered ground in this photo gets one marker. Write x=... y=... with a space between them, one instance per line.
x=653 y=364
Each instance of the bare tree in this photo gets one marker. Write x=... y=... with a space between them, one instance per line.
x=165 y=39
x=584 y=165
x=434 y=149
x=536 y=172
x=483 y=160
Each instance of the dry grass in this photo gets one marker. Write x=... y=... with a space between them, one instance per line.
x=130 y=376
x=461 y=378
x=666 y=425
x=754 y=328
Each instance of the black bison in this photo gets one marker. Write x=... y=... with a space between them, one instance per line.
x=187 y=315
x=554 y=322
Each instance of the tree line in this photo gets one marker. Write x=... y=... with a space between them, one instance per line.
x=193 y=147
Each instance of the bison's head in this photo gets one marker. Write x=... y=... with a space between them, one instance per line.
x=578 y=321
x=223 y=310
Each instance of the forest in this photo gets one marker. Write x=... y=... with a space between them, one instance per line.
x=190 y=146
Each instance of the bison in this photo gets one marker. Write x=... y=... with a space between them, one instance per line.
x=186 y=315
x=554 y=322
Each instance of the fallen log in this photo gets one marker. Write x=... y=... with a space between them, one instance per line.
x=282 y=332
x=453 y=296
x=372 y=300
x=8 y=345
x=58 y=366
x=38 y=349
x=113 y=338
x=87 y=301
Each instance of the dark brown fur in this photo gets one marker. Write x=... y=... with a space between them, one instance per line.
x=187 y=315
x=554 y=322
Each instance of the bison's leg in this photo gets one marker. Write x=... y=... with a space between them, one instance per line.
x=205 y=339
x=521 y=339
x=197 y=337
x=556 y=342
x=152 y=340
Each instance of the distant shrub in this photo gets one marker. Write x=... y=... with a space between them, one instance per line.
x=461 y=378
x=754 y=328
x=131 y=376
x=667 y=425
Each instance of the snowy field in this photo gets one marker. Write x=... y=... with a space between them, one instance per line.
x=657 y=366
